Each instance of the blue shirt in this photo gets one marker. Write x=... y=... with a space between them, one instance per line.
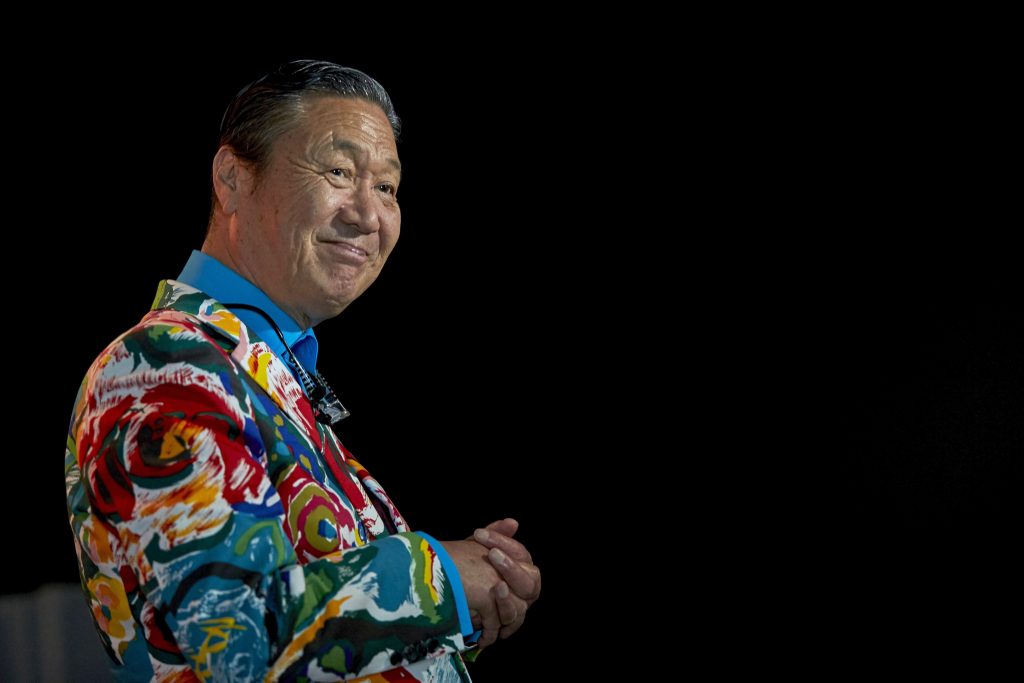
x=212 y=277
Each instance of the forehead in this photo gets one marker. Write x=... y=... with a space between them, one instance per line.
x=325 y=120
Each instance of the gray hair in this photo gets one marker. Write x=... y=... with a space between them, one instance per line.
x=267 y=107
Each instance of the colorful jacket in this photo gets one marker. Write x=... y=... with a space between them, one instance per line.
x=224 y=534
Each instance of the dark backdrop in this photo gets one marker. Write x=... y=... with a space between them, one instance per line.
x=737 y=342
x=464 y=366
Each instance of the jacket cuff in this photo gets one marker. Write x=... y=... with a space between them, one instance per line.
x=461 y=604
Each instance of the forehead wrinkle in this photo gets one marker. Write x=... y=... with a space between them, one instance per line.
x=348 y=146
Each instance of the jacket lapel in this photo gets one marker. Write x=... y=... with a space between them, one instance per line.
x=273 y=376
x=250 y=352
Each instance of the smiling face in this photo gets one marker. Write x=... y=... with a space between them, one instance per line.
x=314 y=230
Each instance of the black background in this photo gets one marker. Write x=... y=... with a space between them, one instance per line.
x=468 y=367
x=737 y=342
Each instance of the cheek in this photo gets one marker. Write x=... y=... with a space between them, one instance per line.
x=391 y=229
x=300 y=206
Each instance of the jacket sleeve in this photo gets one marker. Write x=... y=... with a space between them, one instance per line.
x=172 y=462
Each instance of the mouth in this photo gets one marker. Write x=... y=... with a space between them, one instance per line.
x=347 y=252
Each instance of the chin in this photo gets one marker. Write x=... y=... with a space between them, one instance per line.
x=334 y=303
x=342 y=294
x=329 y=308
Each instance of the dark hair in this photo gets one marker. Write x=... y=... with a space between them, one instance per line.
x=267 y=107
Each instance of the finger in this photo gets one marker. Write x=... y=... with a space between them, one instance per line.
x=507 y=526
x=511 y=547
x=522 y=579
x=508 y=610
x=511 y=609
x=491 y=623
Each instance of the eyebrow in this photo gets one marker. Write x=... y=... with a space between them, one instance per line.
x=357 y=149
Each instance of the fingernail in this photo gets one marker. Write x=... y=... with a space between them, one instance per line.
x=502 y=590
x=482 y=535
x=499 y=557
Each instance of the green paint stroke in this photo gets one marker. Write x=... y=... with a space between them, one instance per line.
x=275 y=535
x=419 y=562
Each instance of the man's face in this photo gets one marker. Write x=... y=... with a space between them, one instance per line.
x=318 y=225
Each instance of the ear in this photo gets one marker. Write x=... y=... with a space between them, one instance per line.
x=230 y=177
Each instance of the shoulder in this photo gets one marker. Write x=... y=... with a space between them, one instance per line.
x=163 y=337
x=170 y=364
x=166 y=349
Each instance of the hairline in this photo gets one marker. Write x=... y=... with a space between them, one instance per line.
x=299 y=108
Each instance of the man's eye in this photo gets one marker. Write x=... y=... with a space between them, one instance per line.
x=339 y=172
x=387 y=187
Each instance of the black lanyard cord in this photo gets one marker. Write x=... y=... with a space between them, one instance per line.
x=326 y=406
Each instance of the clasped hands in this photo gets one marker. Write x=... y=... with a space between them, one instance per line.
x=499 y=577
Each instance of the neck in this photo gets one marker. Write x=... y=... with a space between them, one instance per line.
x=218 y=245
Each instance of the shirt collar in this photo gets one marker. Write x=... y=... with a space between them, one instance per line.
x=212 y=277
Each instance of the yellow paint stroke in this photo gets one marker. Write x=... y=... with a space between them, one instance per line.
x=428 y=569
x=300 y=640
x=226 y=321
x=199 y=493
x=199 y=517
x=262 y=362
x=178 y=439
x=354 y=463
x=109 y=593
x=96 y=537
x=311 y=529
x=217 y=634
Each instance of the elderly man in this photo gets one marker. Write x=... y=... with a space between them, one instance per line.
x=223 y=531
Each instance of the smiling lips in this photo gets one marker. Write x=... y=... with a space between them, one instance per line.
x=347 y=252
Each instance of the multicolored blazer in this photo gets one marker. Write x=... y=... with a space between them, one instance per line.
x=224 y=534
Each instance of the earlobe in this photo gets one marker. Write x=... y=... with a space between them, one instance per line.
x=225 y=179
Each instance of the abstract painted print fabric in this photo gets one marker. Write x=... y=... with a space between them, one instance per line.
x=224 y=534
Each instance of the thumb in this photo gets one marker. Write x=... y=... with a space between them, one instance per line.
x=507 y=526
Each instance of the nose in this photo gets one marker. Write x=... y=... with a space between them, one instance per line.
x=361 y=209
